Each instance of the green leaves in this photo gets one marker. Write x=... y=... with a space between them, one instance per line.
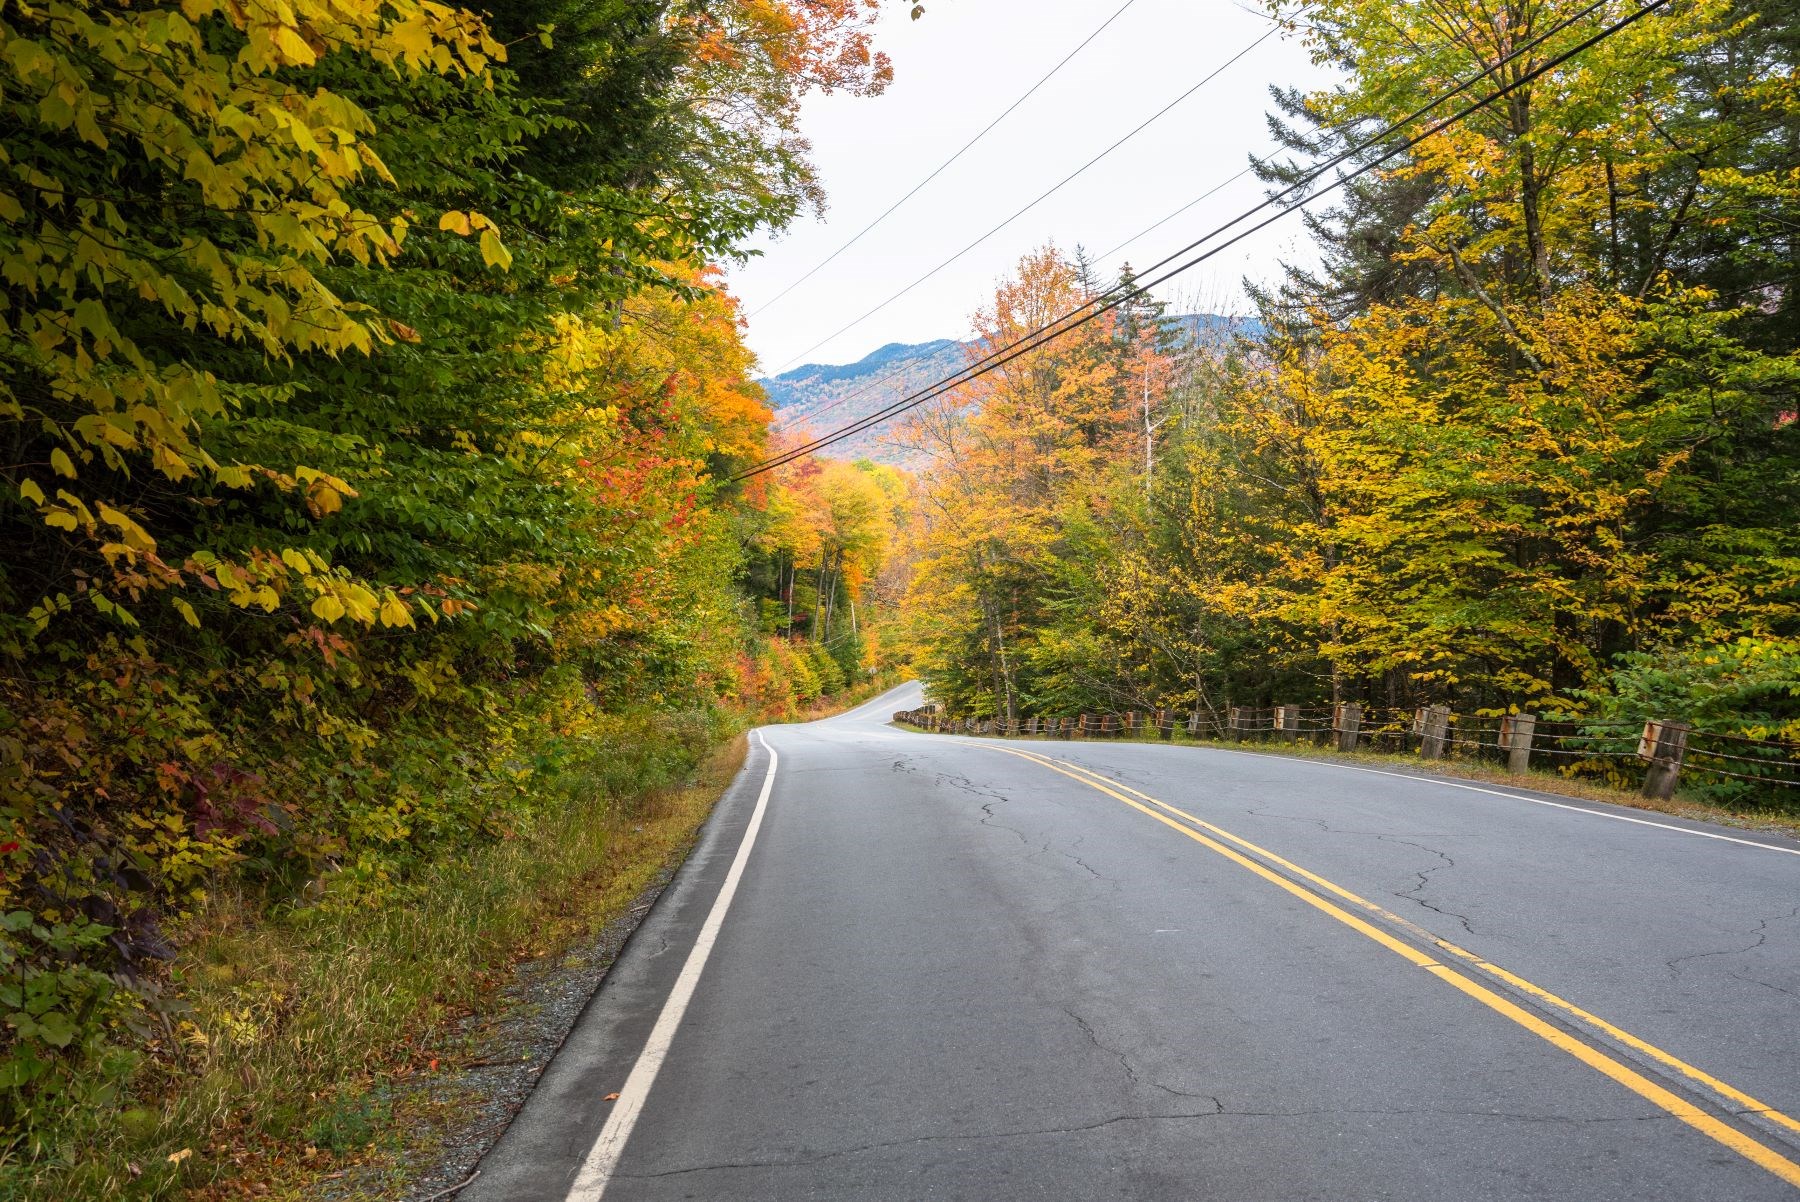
x=365 y=372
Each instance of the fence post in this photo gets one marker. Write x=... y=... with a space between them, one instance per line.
x=1165 y=729
x=1435 y=732
x=1193 y=723
x=1664 y=744
x=1515 y=740
x=1081 y=726
x=1287 y=723
x=1237 y=724
x=1348 y=724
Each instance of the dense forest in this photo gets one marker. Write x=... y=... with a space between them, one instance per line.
x=388 y=496
x=370 y=396
x=1525 y=440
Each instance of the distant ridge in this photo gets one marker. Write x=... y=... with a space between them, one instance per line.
x=791 y=386
x=803 y=394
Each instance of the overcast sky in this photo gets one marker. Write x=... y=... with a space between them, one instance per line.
x=956 y=69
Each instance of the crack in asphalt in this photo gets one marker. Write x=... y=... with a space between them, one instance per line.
x=1129 y=775
x=988 y=818
x=1415 y=893
x=987 y=811
x=1131 y=1074
x=1046 y=849
x=1318 y=822
x=1765 y=984
x=1171 y=1116
x=1760 y=935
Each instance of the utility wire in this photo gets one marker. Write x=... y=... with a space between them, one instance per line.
x=896 y=370
x=1058 y=186
x=1150 y=229
x=1153 y=227
x=988 y=128
x=1107 y=254
x=1107 y=301
x=1527 y=46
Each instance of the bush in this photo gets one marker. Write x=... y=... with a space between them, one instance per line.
x=1749 y=688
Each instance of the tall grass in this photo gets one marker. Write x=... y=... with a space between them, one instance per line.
x=294 y=1016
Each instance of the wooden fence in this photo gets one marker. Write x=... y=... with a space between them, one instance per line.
x=1652 y=754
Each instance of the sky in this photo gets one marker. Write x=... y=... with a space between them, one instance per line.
x=958 y=67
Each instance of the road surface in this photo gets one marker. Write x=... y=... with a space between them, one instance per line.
x=916 y=966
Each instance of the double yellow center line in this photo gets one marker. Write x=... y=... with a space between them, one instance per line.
x=1239 y=851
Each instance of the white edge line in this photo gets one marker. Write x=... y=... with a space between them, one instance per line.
x=597 y=1167
x=1436 y=780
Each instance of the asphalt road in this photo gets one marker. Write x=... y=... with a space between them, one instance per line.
x=914 y=966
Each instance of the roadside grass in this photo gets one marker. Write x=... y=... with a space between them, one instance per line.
x=297 y=1021
x=1543 y=781
x=304 y=1022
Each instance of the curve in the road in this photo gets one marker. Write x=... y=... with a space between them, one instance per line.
x=903 y=966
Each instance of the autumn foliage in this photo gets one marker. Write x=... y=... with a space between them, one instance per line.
x=1525 y=441
x=367 y=398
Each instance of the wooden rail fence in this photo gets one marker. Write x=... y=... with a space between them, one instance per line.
x=1664 y=748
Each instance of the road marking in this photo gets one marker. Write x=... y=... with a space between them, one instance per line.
x=1536 y=801
x=597 y=1167
x=1753 y=1151
x=1744 y=1100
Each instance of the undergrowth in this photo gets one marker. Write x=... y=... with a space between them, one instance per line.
x=280 y=1022
x=261 y=1063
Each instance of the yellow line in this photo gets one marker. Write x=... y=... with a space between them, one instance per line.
x=1620 y=1072
x=1719 y=1087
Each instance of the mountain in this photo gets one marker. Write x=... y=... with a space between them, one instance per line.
x=821 y=397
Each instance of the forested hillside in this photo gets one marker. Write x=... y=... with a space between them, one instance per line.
x=1527 y=440
x=368 y=393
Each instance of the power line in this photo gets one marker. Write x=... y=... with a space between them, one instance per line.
x=1524 y=48
x=1058 y=186
x=1049 y=331
x=1380 y=93
x=988 y=128
x=899 y=368
x=880 y=380
x=1106 y=301
x=1150 y=229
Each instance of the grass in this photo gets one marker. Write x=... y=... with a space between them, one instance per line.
x=302 y=1022
x=298 y=1021
x=1540 y=780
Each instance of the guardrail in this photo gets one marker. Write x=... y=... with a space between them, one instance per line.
x=1652 y=754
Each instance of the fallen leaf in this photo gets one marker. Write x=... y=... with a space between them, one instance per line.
x=178 y=1157
x=611 y=1097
